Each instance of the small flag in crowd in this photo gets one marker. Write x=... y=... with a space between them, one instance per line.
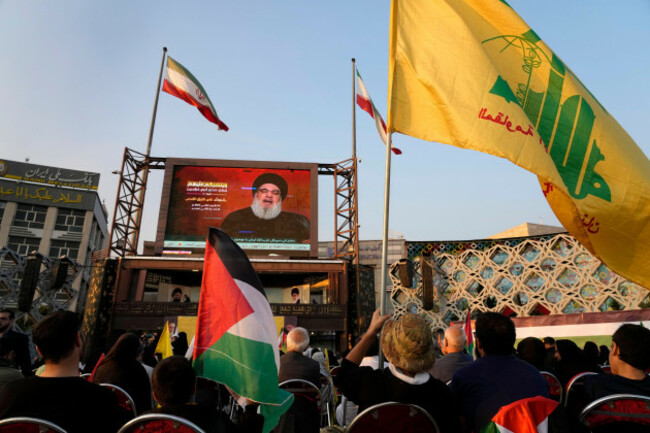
x=235 y=340
x=467 y=327
x=181 y=83
x=164 y=346
x=364 y=101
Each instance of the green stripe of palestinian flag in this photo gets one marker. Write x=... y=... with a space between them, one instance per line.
x=181 y=83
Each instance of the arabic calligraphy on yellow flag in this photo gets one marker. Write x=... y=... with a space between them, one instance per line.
x=473 y=74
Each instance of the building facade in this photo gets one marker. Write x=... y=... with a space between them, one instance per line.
x=55 y=212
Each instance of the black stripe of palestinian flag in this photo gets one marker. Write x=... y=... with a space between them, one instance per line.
x=235 y=332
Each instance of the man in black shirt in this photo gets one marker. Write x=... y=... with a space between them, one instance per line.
x=59 y=395
x=16 y=342
x=629 y=359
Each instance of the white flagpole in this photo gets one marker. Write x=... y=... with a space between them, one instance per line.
x=384 y=247
x=155 y=104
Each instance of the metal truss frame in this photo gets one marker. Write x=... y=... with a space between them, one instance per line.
x=129 y=203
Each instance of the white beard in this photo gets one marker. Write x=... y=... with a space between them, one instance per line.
x=265 y=214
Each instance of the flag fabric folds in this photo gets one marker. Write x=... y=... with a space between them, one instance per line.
x=181 y=83
x=164 y=346
x=235 y=341
x=529 y=415
x=364 y=101
x=473 y=74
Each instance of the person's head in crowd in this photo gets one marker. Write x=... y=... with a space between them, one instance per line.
x=295 y=295
x=269 y=189
x=630 y=354
x=549 y=343
x=126 y=349
x=173 y=381
x=590 y=350
x=6 y=320
x=495 y=334
x=454 y=341
x=57 y=337
x=177 y=294
x=297 y=340
x=603 y=355
x=407 y=343
x=532 y=350
x=568 y=351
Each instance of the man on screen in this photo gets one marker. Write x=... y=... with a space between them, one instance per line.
x=264 y=218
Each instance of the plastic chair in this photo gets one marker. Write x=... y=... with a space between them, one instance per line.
x=27 y=424
x=304 y=416
x=607 y=369
x=555 y=389
x=85 y=376
x=576 y=384
x=334 y=371
x=211 y=393
x=393 y=417
x=618 y=413
x=160 y=423
x=123 y=398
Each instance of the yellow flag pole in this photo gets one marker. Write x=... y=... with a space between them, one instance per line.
x=384 y=246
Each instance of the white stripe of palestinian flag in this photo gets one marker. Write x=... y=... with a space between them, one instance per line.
x=181 y=83
x=249 y=326
x=365 y=102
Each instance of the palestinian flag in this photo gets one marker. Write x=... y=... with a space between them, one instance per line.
x=235 y=341
x=467 y=327
x=181 y=83
x=529 y=415
x=364 y=101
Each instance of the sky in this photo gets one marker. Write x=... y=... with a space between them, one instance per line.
x=79 y=82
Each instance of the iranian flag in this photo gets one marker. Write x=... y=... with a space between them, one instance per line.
x=364 y=101
x=529 y=415
x=181 y=83
x=235 y=341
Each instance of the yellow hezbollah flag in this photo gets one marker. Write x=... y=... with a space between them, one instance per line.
x=164 y=346
x=473 y=74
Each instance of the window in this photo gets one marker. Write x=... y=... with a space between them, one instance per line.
x=23 y=246
x=60 y=248
x=70 y=220
x=30 y=215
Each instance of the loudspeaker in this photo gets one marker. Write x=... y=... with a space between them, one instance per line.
x=405 y=272
x=59 y=274
x=427 y=284
x=30 y=279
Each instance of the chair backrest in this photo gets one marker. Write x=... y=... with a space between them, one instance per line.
x=334 y=371
x=160 y=423
x=85 y=376
x=26 y=424
x=305 y=414
x=575 y=385
x=393 y=417
x=622 y=412
x=123 y=398
x=555 y=389
x=607 y=369
x=302 y=388
x=212 y=393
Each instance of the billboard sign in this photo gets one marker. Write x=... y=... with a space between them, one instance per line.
x=266 y=207
x=48 y=176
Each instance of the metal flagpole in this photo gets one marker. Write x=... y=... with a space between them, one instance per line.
x=384 y=246
x=355 y=221
x=155 y=104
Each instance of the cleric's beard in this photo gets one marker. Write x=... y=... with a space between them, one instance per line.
x=265 y=214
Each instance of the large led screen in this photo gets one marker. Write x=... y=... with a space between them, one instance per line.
x=266 y=210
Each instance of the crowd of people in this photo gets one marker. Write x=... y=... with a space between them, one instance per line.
x=461 y=391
